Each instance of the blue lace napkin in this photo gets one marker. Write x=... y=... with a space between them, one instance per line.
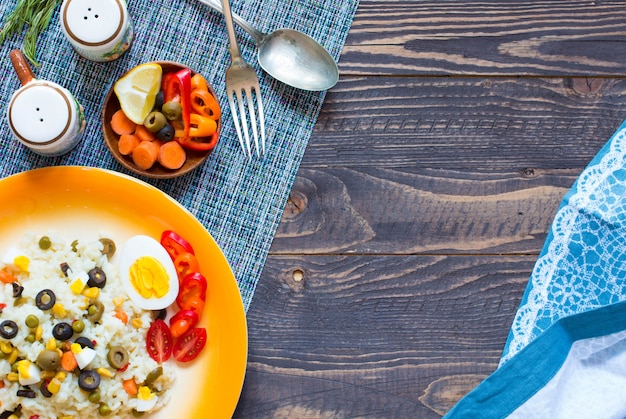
x=583 y=262
x=239 y=202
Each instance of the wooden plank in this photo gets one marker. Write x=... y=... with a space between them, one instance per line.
x=450 y=166
x=492 y=37
x=377 y=336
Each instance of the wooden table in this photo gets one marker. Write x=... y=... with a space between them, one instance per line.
x=423 y=200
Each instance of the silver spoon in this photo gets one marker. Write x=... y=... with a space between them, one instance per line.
x=290 y=56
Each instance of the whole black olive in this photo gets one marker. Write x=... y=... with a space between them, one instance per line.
x=62 y=331
x=97 y=278
x=17 y=290
x=85 y=342
x=166 y=133
x=158 y=101
x=8 y=329
x=88 y=380
x=45 y=299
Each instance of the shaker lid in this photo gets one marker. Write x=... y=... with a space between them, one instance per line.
x=40 y=113
x=93 y=23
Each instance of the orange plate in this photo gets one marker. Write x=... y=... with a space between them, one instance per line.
x=82 y=202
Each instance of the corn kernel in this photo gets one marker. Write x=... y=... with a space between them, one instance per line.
x=54 y=386
x=118 y=301
x=61 y=375
x=47 y=375
x=66 y=417
x=13 y=376
x=59 y=310
x=51 y=344
x=13 y=356
x=136 y=322
x=21 y=263
x=77 y=286
x=38 y=332
x=6 y=347
x=13 y=416
x=105 y=372
x=92 y=292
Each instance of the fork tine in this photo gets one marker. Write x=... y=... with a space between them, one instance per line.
x=244 y=120
x=253 y=118
x=261 y=118
x=233 y=110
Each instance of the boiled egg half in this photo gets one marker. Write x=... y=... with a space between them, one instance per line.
x=148 y=273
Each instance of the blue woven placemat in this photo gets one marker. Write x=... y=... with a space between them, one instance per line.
x=239 y=202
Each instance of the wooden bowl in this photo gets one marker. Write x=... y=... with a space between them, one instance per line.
x=112 y=105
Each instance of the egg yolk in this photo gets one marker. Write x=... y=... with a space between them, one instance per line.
x=149 y=278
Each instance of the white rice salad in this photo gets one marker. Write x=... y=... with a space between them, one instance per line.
x=30 y=390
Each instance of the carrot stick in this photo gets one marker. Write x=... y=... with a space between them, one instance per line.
x=172 y=155
x=127 y=143
x=144 y=134
x=68 y=361
x=146 y=154
x=120 y=124
x=131 y=387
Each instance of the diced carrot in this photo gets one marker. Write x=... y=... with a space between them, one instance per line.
x=127 y=143
x=131 y=387
x=68 y=361
x=7 y=277
x=146 y=154
x=121 y=314
x=172 y=155
x=144 y=134
x=120 y=124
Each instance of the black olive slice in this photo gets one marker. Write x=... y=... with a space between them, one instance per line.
x=45 y=299
x=8 y=329
x=88 y=380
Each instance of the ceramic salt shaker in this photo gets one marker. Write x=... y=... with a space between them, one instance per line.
x=99 y=30
x=42 y=115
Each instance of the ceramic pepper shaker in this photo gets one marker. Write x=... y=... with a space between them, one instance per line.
x=99 y=30
x=42 y=115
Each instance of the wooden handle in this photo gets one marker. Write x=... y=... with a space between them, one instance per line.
x=21 y=66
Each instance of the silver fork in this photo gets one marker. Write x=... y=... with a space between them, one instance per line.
x=242 y=81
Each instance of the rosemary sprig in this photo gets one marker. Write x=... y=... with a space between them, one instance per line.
x=35 y=14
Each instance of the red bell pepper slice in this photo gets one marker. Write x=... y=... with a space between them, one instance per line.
x=192 y=288
x=192 y=143
x=177 y=87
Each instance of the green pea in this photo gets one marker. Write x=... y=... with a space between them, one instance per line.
x=94 y=396
x=104 y=410
x=30 y=338
x=45 y=243
x=78 y=326
x=32 y=321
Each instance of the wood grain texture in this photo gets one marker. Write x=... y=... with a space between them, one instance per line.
x=384 y=336
x=493 y=37
x=423 y=199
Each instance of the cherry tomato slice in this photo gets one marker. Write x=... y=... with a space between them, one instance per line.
x=186 y=263
x=189 y=346
x=193 y=286
x=182 y=321
x=159 y=341
x=175 y=244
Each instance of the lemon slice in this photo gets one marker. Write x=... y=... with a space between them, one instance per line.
x=137 y=91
